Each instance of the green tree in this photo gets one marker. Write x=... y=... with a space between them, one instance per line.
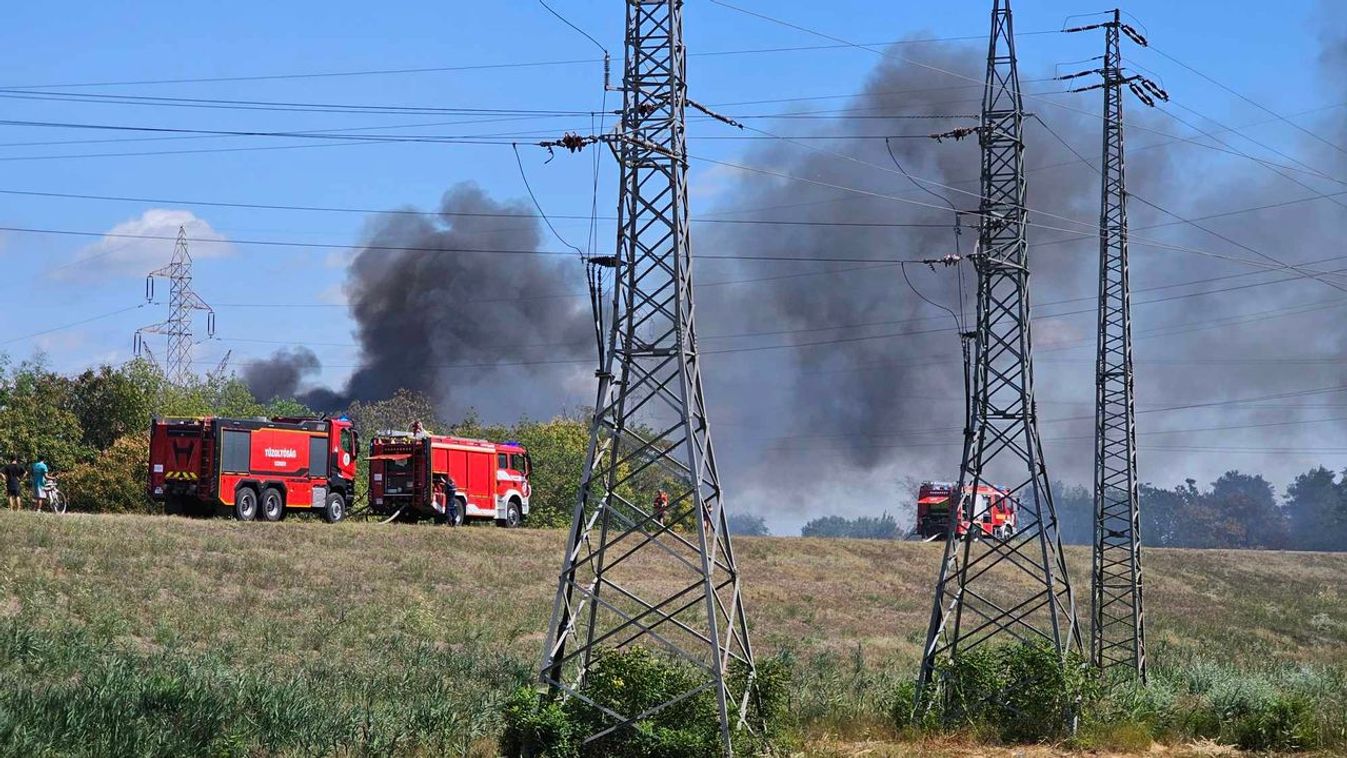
x=1316 y=515
x=1244 y=513
x=112 y=403
x=884 y=527
x=557 y=449
x=36 y=417
x=747 y=525
x=399 y=412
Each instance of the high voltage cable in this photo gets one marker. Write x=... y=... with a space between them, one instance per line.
x=1137 y=240
x=1313 y=275
x=886 y=54
x=272 y=105
x=1245 y=98
x=482 y=67
x=405 y=248
x=73 y=324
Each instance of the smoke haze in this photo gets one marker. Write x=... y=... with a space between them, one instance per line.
x=830 y=384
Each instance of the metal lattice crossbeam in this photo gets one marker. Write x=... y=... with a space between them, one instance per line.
x=1013 y=587
x=649 y=428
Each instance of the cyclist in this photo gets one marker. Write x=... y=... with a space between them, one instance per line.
x=39 y=474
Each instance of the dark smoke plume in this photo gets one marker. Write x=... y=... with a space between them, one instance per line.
x=453 y=305
x=281 y=374
x=870 y=391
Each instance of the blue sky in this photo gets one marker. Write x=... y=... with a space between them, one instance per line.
x=110 y=42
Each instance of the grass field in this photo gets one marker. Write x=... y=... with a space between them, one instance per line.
x=302 y=638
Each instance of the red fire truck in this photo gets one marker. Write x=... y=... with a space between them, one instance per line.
x=994 y=511
x=252 y=467
x=491 y=480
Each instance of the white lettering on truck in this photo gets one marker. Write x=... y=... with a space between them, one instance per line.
x=279 y=455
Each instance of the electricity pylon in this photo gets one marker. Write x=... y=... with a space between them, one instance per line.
x=1117 y=620
x=1004 y=583
x=649 y=430
x=182 y=301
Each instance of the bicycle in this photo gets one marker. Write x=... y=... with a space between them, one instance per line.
x=55 y=499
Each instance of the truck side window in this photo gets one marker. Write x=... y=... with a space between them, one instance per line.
x=501 y=461
x=234 y=457
x=517 y=462
x=318 y=456
x=348 y=441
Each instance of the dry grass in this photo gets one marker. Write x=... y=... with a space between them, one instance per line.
x=278 y=597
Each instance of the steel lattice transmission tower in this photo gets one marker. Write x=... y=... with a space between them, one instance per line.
x=649 y=428
x=1117 y=628
x=182 y=301
x=1012 y=586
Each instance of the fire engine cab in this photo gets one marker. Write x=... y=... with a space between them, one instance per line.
x=253 y=467
x=490 y=480
x=994 y=511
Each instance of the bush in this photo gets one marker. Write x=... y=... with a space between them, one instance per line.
x=114 y=482
x=1281 y=708
x=1024 y=692
x=633 y=681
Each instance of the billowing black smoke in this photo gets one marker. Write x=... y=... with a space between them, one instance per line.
x=281 y=374
x=458 y=305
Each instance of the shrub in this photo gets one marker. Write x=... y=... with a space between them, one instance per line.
x=114 y=481
x=633 y=681
x=535 y=726
x=1022 y=693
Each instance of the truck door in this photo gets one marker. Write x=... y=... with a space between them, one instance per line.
x=344 y=453
x=319 y=460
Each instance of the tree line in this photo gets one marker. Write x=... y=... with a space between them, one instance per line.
x=92 y=429
x=1238 y=510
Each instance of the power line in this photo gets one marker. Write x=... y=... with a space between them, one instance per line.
x=1307 y=132
x=407 y=248
x=73 y=324
x=313 y=75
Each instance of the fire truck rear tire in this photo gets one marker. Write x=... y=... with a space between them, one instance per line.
x=245 y=504
x=172 y=506
x=334 y=509
x=273 y=505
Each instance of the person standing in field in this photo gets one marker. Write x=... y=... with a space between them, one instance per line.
x=13 y=482
x=39 y=474
x=661 y=506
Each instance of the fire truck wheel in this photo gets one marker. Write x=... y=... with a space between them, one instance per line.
x=172 y=506
x=514 y=516
x=273 y=506
x=245 y=504
x=460 y=514
x=335 y=508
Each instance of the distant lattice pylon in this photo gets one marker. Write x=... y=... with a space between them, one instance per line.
x=182 y=301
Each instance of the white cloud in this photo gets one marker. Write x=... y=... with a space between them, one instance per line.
x=334 y=295
x=137 y=246
x=711 y=182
